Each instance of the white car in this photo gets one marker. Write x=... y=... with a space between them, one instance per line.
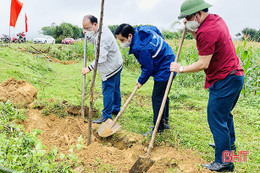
x=44 y=39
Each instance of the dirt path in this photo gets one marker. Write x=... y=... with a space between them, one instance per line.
x=120 y=151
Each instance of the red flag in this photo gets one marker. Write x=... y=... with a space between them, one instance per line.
x=26 y=27
x=16 y=7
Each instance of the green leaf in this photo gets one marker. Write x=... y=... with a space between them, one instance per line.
x=79 y=146
x=40 y=153
x=80 y=140
x=38 y=146
x=54 y=151
x=62 y=156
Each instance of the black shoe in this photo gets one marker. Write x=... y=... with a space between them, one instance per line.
x=166 y=125
x=100 y=120
x=151 y=132
x=148 y=133
x=233 y=146
x=115 y=113
x=224 y=167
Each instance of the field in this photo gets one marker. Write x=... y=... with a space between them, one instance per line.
x=50 y=136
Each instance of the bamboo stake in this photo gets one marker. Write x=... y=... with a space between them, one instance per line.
x=42 y=53
x=9 y=36
x=94 y=75
x=84 y=80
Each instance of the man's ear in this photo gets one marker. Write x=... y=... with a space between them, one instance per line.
x=200 y=13
x=130 y=36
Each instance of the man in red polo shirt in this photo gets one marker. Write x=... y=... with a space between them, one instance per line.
x=224 y=75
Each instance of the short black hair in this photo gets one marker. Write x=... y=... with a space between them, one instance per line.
x=206 y=10
x=92 y=18
x=125 y=29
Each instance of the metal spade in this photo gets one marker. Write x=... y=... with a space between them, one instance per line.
x=109 y=127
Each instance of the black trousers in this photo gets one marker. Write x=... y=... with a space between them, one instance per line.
x=157 y=97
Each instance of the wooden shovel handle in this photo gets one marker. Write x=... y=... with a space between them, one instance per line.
x=126 y=103
x=164 y=99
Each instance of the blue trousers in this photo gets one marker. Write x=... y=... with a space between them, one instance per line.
x=111 y=95
x=223 y=96
x=157 y=97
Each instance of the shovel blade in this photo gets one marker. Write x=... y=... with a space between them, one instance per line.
x=142 y=164
x=106 y=128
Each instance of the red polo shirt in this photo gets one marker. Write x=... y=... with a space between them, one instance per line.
x=213 y=38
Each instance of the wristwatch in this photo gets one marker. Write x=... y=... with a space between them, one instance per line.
x=181 y=69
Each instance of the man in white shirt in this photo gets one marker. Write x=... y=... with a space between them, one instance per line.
x=109 y=66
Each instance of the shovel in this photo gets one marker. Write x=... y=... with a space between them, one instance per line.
x=144 y=163
x=109 y=127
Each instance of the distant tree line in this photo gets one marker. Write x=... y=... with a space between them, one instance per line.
x=62 y=31
x=65 y=30
x=249 y=33
x=168 y=34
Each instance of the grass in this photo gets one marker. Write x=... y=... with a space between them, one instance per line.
x=22 y=151
x=188 y=102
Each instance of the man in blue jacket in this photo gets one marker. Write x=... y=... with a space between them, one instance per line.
x=155 y=56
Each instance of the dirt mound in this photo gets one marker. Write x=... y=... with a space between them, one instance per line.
x=56 y=60
x=119 y=151
x=50 y=58
x=19 y=92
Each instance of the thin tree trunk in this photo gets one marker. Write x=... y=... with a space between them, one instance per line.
x=94 y=75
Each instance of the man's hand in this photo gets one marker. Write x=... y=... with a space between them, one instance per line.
x=175 y=67
x=139 y=85
x=193 y=33
x=184 y=21
x=85 y=71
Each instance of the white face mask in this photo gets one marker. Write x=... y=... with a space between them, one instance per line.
x=125 y=44
x=193 y=25
x=89 y=34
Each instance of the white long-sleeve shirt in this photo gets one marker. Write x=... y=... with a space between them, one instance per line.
x=110 y=60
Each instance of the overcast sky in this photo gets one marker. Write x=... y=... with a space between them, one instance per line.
x=238 y=14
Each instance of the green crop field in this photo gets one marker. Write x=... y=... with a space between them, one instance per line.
x=22 y=151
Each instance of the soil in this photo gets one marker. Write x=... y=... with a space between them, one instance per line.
x=56 y=60
x=19 y=92
x=121 y=150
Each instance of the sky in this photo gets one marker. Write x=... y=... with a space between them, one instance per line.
x=238 y=14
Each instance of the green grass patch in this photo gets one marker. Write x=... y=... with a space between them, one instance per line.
x=21 y=151
x=188 y=102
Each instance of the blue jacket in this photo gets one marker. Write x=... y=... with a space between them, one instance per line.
x=153 y=53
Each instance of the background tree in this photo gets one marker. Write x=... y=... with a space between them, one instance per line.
x=250 y=33
x=174 y=33
x=113 y=28
x=49 y=30
x=62 y=31
x=173 y=26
